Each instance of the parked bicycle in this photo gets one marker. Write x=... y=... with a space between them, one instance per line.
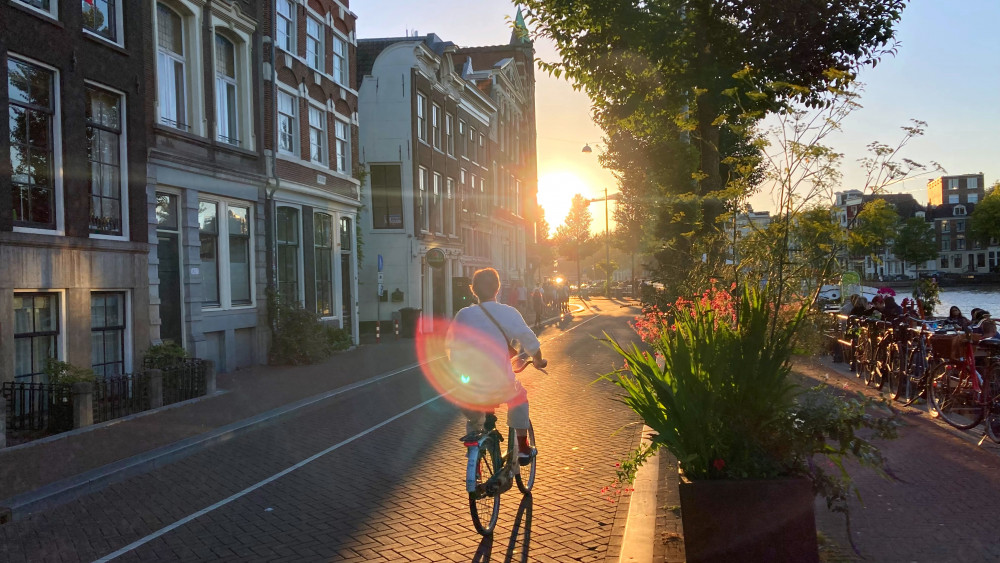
x=962 y=395
x=489 y=472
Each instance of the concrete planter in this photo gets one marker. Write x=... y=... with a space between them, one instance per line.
x=768 y=520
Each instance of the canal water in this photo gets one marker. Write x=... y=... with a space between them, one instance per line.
x=968 y=299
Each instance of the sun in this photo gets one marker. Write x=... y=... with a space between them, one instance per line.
x=555 y=193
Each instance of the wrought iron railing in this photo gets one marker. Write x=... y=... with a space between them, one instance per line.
x=36 y=409
x=121 y=395
x=184 y=380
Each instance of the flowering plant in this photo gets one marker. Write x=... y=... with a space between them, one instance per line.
x=720 y=399
x=886 y=291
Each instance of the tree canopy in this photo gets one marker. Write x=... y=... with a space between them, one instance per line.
x=573 y=240
x=915 y=241
x=874 y=226
x=984 y=223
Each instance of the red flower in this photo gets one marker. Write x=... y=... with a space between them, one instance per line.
x=719 y=464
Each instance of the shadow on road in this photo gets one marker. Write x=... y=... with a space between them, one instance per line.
x=520 y=537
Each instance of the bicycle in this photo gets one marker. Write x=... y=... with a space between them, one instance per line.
x=962 y=396
x=489 y=473
x=920 y=360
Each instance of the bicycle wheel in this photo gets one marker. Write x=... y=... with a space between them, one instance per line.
x=913 y=382
x=893 y=382
x=485 y=505
x=864 y=358
x=525 y=476
x=879 y=365
x=993 y=417
x=951 y=395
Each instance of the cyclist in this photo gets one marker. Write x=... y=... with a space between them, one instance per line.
x=469 y=354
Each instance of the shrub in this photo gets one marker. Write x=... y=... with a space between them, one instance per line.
x=65 y=373
x=300 y=338
x=160 y=356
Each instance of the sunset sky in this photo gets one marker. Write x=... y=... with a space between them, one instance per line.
x=947 y=73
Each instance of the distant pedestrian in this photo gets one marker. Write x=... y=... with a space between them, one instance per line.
x=522 y=296
x=538 y=304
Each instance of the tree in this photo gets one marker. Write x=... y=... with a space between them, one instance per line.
x=632 y=214
x=817 y=237
x=573 y=240
x=694 y=62
x=915 y=242
x=874 y=225
x=984 y=223
x=541 y=250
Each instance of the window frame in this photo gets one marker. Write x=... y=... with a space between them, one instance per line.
x=324 y=141
x=437 y=204
x=116 y=8
x=328 y=249
x=59 y=337
x=124 y=340
x=184 y=108
x=436 y=125
x=380 y=197
x=299 y=266
x=224 y=253
x=293 y=118
x=51 y=12
x=450 y=216
x=341 y=68
x=226 y=83
x=290 y=46
x=318 y=58
x=423 y=211
x=421 y=117
x=123 y=175
x=463 y=140
x=449 y=134
x=342 y=145
x=57 y=226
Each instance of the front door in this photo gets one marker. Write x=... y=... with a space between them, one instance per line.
x=437 y=286
x=169 y=267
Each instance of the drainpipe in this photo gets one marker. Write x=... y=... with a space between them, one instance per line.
x=269 y=209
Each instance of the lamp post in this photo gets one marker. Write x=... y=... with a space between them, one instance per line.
x=607 y=239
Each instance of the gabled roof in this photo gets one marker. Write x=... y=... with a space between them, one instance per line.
x=369 y=49
x=905 y=205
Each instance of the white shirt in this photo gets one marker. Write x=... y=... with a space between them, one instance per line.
x=476 y=346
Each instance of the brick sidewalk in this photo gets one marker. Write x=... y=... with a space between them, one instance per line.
x=243 y=394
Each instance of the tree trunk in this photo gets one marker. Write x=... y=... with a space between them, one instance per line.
x=708 y=144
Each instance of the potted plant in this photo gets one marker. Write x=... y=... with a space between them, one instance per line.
x=753 y=448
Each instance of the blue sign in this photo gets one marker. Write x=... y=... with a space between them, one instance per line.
x=380 y=262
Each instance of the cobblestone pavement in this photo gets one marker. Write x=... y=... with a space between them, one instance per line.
x=944 y=505
x=378 y=477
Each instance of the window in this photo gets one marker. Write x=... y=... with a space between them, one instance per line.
x=449 y=134
x=981 y=260
x=285 y=31
x=952 y=183
x=945 y=226
x=953 y=198
x=226 y=105
x=317 y=135
x=449 y=209
x=972 y=198
x=314 y=44
x=945 y=243
x=170 y=68
x=36 y=334
x=436 y=207
x=104 y=143
x=436 y=125
x=421 y=122
x=956 y=261
x=463 y=190
x=473 y=155
x=346 y=235
x=342 y=132
x=240 y=270
x=47 y=6
x=107 y=333
x=341 y=72
x=959 y=226
x=288 y=254
x=944 y=262
x=100 y=17
x=32 y=147
x=423 y=218
x=208 y=233
x=481 y=150
x=288 y=123
x=387 y=196
x=960 y=244
x=323 y=249
x=464 y=146
x=959 y=211
x=972 y=183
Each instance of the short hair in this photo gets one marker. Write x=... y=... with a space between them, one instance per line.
x=485 y=283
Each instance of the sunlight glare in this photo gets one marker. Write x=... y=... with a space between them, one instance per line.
x=555 y=192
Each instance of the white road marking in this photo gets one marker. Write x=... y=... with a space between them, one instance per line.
x=257 y=485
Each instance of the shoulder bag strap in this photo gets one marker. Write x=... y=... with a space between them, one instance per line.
x=504 y=333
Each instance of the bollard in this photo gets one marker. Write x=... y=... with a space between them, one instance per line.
x=395 y=327
x=83 y=404
x=155 y=388
x=209 y=377
x=3 y=427
x=378 y=332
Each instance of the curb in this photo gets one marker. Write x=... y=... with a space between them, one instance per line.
x=640 y=527
x=71 y=488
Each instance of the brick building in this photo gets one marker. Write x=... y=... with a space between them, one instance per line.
x=73 y=222
x=964 y=188
x=311 y=139
x=205 y=177
x=448 y=139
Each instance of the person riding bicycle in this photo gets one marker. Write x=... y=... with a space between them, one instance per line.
x=477 y=342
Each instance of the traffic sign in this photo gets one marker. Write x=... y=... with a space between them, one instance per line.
x=380 y=265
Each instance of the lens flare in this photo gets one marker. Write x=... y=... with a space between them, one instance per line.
x=475 y=376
